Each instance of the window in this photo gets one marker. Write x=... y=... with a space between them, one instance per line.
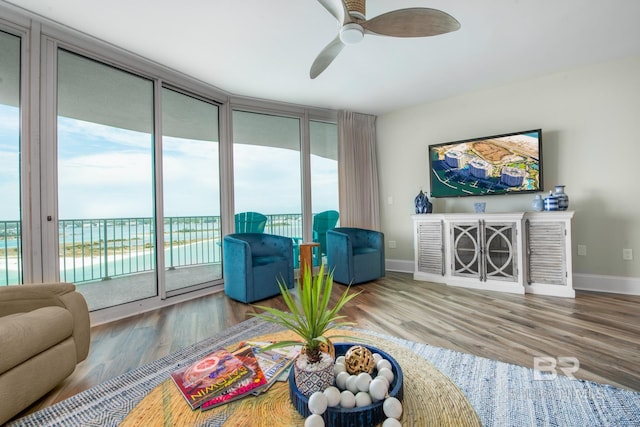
x=191 y=183
x=105 y=181
x=123 y=172
x=324 y=182
x=266 y=165
x=324 y=166
x=10 y=218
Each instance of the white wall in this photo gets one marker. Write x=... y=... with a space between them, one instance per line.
x=590 y=120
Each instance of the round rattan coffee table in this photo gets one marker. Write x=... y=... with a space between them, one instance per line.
x=430 y=398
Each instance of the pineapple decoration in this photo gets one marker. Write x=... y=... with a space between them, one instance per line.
x=310 y=317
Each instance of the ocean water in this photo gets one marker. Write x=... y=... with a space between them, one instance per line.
x=187 y=243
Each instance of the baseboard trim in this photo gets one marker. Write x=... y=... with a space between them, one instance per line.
x=582 y=282
x=399 y=265
x=610 y=284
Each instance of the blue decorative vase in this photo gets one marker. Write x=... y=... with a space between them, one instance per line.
x=551 y=202
x=537 y=204
x=563 y=199
x=423 y=205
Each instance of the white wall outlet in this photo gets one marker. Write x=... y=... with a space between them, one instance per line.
x=627 y=254
x=389 y=200
x=392 y=244
x=582 y=250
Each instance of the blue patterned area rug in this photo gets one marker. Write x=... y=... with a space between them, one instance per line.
x=502 y=394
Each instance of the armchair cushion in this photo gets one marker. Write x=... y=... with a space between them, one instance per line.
x=253 y=263
x=355 y=255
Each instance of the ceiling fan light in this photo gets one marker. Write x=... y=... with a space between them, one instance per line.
x=351 y=33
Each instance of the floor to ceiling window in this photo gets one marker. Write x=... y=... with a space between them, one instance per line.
x=266 y=170
x=191 y=185
x=133 y=170
x=324 y=181
x=10 y=221
x=105 y=168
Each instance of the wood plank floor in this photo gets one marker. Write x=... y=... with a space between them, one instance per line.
x=601 y=330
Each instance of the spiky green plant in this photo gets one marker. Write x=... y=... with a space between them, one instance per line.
x=309 y=315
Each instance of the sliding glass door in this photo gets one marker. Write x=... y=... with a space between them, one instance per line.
x=324 y=183
x=105 y=170
x=266 y=167
x=191 y=183
x=10 y=218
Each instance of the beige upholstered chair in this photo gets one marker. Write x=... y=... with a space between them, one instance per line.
x=44 y=333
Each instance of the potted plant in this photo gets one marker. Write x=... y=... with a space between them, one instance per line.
x=310 y=317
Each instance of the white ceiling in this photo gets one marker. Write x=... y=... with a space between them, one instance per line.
x=264 y=48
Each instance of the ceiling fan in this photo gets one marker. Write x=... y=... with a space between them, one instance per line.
x=410 y=22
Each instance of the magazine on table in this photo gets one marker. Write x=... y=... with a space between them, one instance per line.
x=274 y=362
x=244 y=387
x=209 y=376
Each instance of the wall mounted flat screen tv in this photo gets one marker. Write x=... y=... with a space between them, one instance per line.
x=500 y=164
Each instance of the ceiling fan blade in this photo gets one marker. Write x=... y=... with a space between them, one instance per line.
x=411 y=22
x=338 y=9
x=326 y=57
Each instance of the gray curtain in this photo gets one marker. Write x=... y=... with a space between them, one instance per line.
x=358 y=171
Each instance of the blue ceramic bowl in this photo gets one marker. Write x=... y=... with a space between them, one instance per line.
x=350 y=417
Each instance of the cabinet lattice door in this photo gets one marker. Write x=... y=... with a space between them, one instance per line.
x=500 y=251
x=546 y=254
x=484 y=250
x=430 y=248
x=466 y=249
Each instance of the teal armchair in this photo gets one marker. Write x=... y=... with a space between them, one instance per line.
x=253 y=263
x=355 y=255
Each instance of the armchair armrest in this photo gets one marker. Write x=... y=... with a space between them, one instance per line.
x=339 y=253
x=27 y=298
x=237 y=256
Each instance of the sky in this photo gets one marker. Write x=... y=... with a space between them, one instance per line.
x=9 y=163
x=105 y=172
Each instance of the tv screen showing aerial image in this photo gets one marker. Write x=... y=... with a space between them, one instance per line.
x=500 y=164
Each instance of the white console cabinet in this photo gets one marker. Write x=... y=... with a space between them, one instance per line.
x=511 y=252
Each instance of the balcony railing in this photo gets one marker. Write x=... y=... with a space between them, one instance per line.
x=10 y=252
x=100 y=249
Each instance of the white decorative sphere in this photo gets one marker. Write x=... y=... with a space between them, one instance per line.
x=384 y=372
x=333 y=396
x=378 y=389
x=391 y=422
x=377 y=357
x=383 y=363
x=339 y=367
x=392 y=408
x=318 y=403
x=380 y=377
x=340 y=359
x=352 y=384
x=341 y=380
x=347 y=399
x=314 y=420
x=362 y=381
x=363 y=399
